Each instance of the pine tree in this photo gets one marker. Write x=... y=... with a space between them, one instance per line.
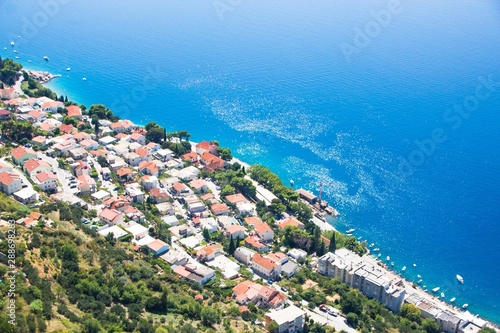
x=206 y=234
x=333 y=244
x=231 y=246
x=321 y=249
x=66 y=99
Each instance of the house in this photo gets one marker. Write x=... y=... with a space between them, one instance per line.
x=78 y=153
x=107 y=140
x=244 y=255
x=5 y=115
x=175 y=258
x=111 y=217
x=132 y=146
x=198 y=185
x=21 y=154
x=297 y=254
x=265 y=267
x=219 y=209
x=65 y=146
x=209 y=223
x=38 y=116
x=124 y=174
x=206 y=147
x=134 y=214
x=191 y=156
x=8 y=93
x=100 y=196
x=47 y=181
x=226 y=221
x=179 y=189
x=80 y=168
x=278 y=257
x=249 y=291
x=80 y=136
x=52 y=106
x=158 y=195
x=208 y=252
x=119 y=203
x=4 y=166
x=68 y=129
x=148 y=168
x=144 y=153
x=106 y=173
x=195 y=272
x=117 y=127
x=165 y=208
x=164 y=155
x=10 y=182
x=264 y=231
x=289 y=269
x=74 y=112
x=115 y=230
x=153 y=146
x=255 y=243
x=138 y=231
x=235 y=231
x=89 y=144
x=149 y=182
x=34 y=166
x=132 y=159
x=252 y=220
x=170 y=220
x=41 y=140
x=158 y=247
x=236 y=198
x=212 y=162
x=289 y=320
x=26 y=196
x=189 y=173
x=86 y=184
x=291 y=221
x=137 y=137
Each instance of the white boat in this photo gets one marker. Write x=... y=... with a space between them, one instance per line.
x=465 y=306
x=350 y=231
x=442 y=295
x=17 y=57
x=414 y=265
x=84 y=79
x=15 y=51
x=420 y=281
x=5 y=48
x=379 y=255
x=45 y=58
x=12 y=43
x=436 y=289
x=68 y=69
x=372 y=244
x=29 y=60
x=419 y=276
x=292 y=182
x=404 y=268
x=388 y=258
x=392 y=263
x=452 y=300
x=460 y=279
x=376 y=249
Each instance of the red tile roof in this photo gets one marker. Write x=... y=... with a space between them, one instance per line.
x=263 y=262
x=236 y=198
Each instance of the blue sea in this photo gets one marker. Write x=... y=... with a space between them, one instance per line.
x=394 y=105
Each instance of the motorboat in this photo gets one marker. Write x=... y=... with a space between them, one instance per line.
x=68 y=69
x=12 y=43
x=350 y=231
x=414 y=265
x=442 y=295
x=452 y=300
x=436 y=289
x=388 y=258
x=45 y=58
x=404 y=268
x=392 y=263
x=419 y=276
x=372 y=244
x=465 y=306
x=84 y=79
x=460 y=279
x=379 y=255
x=376 y=249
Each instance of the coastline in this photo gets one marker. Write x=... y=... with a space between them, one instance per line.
x=324 y=225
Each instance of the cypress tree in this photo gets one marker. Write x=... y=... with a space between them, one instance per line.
x=333 y=244
x=231 y=246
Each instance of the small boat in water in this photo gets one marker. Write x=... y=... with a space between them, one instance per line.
x=68 y=69
x=84 y=79
x=392 y=263
x=460 y=279
x=372 y=244
x=420 y=281
x=452 y=300
x=350 y=231
x=12 y=43
x=442 y=295
x=419 y=276
x=404 y=268
x=388 y=258
x=45 y=58
x=414 y=265
x=465 y=306
x=376 y=249
x=379 y=255
x=436 y=289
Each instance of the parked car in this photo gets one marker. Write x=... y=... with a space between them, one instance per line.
x=73 y=186
x=284 y=289
x=323 y=308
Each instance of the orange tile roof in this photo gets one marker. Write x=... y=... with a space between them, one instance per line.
x=157 y=245
x=32 y=164
x=8 y=177
x=263 y=262
x=143 y=151
x=262 y=228
x=291 y=221
x=109 y=214
x=204 y=145
x=19 y=152
x=74 y=111
x=179 y=187
x=35 y=215
x=253 y=220
x=217 y=208
x=43 y=176
x=124 y=171
x=66 y=128
x=236 y=198
x=190 y=156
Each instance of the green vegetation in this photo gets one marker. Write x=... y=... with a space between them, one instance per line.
x=33 y=88
x=9 y=70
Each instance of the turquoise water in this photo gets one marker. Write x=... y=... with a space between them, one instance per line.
x=270 y=80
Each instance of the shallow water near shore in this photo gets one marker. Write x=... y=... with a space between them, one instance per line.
x=271 y=82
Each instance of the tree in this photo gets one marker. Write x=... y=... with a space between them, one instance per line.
x=155 y=134
x=273 y=327
x=225 y=154
x=351 y=302
x=320 y=250
x=333 y=244
x=431 y=326
x=209 y=316
x=206 y=234
x=227 y=190
x=232 y=246
x=352 y=319
x=151 y=125
x=411 y=312
x=277 y=207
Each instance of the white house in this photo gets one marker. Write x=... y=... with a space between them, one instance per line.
x=111 y=216
x=149 y=182
x=138 y=231
x=264 y=231
x=289 y=320
x=10 y=182
x=47 y=181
